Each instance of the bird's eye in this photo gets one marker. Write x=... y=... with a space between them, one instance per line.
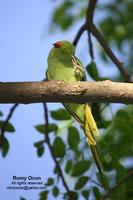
x=63 y=52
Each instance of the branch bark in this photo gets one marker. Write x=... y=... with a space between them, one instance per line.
x=60 y=91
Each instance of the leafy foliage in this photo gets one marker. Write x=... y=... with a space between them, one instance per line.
x=1 y=114
x=40 y=147
x=4 y=145
x=50 y=182
x=21 y=198
x=41 y=128
x=73 y=138
x=60 y=114
x=59 y=147
x=9 y=127
x=68 y=166
x=55 y=191
x=81 y=182
x=92 y=70
x=64 y=15
x=44 y=195
x=80 y=167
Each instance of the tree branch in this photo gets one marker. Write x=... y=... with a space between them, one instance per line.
x=47 y=139
x=91 y=52
x=61 y=91
x=93 y=29
x=109 y=52
x=79 y=33
x=89 y=18
x=90 y=11
x=124 y=179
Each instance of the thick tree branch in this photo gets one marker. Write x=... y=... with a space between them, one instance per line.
x=60 y=91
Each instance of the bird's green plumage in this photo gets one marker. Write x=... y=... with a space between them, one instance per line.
x=63 y=65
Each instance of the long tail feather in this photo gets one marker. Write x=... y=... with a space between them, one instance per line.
x=97 y=158
x=98 y=162
x=92 y=133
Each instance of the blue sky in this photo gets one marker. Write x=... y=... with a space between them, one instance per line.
x=23 y=57
x=25 y=43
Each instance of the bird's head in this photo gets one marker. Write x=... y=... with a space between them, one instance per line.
x=63 y=50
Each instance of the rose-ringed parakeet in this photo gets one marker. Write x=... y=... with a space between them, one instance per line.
x=64 y=65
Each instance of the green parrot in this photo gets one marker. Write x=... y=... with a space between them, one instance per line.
x=64 y=65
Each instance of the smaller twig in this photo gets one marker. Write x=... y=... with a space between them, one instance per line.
x=47 y=139
x=90 y=27
x=90 y=11
x=3 y=128
x=78 y=35
x=98 y=184
x=109 y=52
x=90 y=46
x=124 y=179
x=89 y=15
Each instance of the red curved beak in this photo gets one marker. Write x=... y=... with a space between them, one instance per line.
x=57 y=44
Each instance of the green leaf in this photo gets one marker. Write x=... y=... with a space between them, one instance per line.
x=73 y=195
x=121 y=172
x=44 y=195
x=21 y=198
x=81 y=182
x=92 y=70
x=85 y=194
x=103 y=179
x=55 y=191
x=62 y=17
x=96 y=111
x=1 y=114
x=104 y=123
x=96 y=193
x=50 y=182
x=56 y=171
x=59 y=147
x=41 y=128
x=5 y=145
x=40 y=151
x=68 y=166
x=80 y=167
x=40 y=147
x=130 y=187
x=9 y=127
x=73 y=138
x=60 y=114
x=118 y=136
x=39 y=143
